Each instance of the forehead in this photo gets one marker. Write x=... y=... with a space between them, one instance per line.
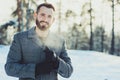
x=46 y=10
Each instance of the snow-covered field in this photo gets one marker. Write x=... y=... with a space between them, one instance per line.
x=88 y=65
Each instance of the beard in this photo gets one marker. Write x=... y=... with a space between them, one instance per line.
x=41 y=26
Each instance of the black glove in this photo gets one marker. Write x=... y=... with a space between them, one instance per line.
x=43 y=68
x=51 y=57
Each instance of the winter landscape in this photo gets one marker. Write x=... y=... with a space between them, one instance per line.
x=88 y=65
x=85 y=26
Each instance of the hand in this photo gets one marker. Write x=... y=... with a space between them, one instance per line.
x=43 y=68
x=51 y=57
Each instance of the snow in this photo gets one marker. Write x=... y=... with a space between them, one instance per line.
x=88 y=65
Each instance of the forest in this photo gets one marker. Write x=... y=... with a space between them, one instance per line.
x=85 y=24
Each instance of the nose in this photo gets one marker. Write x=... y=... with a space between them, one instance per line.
x=45 y=18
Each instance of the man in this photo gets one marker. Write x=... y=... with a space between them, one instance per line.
x=38 y=54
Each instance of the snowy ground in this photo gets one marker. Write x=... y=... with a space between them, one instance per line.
x=88 y=65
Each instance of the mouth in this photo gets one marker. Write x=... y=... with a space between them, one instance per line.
x=44 y=22
x=42 y=25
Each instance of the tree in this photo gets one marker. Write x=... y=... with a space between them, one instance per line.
x=113 y=36
x=117 y=45
x=99 y=38
x=29 y=13
x=91 y=31
x=113 y=4
x=19 y=12
x=85 y=21
x=6 y=32
x=77 y=38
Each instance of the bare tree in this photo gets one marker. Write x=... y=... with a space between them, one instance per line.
x=29 y=12
x=113 y=36
x=87 y=11
x=91 y=31
x=19 y=12
x=113 y=3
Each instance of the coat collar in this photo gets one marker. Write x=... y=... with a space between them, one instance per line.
x=31 y=33
x=34 y=38
x=50 y=40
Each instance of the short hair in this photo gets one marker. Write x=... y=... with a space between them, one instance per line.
x=48 y=5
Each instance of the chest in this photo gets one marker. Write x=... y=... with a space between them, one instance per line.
x=33 y=50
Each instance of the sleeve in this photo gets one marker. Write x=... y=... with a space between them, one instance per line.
x=65 y=67
x=13 y=66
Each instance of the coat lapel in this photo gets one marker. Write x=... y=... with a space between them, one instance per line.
x=34 y=38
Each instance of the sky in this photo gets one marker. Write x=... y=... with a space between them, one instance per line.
x=6 y=7
x=87 y=65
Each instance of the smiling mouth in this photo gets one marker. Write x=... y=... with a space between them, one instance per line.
x=44 y=22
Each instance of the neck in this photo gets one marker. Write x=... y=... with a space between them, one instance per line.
x=42 y=34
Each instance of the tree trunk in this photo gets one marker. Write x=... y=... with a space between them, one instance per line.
x=113 y=37
x=20 y=15
x=91 y=33
x=102 y=39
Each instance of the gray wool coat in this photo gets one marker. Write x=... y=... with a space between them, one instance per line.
x=27 y=50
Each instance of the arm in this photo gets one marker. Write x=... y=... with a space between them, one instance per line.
x=14 y=66
x=65 y=68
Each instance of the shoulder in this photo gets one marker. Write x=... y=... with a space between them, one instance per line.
x=23 y=34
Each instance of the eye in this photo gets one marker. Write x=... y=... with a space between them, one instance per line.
x=42 y=14
x=49 y=16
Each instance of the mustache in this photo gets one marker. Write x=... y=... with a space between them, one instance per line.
x=44 y=22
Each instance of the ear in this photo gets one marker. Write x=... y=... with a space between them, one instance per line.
x=35 y=15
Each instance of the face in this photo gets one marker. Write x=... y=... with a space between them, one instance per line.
x=44 y=18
